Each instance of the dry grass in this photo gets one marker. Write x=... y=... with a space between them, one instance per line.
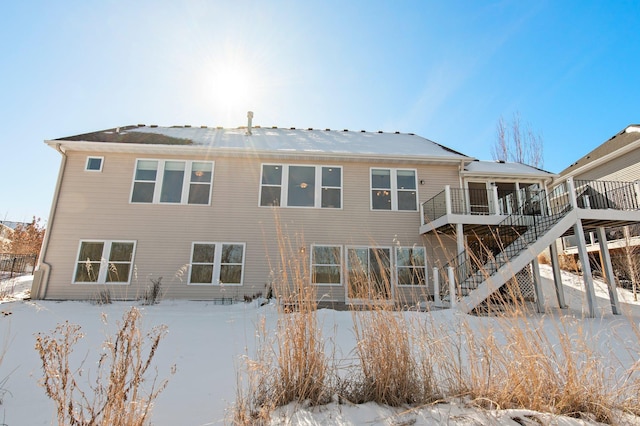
x=290 y=365
x=117 y=396
x=512 y=359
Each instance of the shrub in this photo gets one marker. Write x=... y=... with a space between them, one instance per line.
x=154 y=292
x=116 y=397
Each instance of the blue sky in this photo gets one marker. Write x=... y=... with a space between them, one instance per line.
x=444 y=70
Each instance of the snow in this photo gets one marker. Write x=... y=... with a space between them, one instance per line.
x=310 y=141
x=207 y=342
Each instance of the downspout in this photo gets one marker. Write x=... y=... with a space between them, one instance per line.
x=39 y=288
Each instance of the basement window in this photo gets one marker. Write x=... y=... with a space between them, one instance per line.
x=104 y=262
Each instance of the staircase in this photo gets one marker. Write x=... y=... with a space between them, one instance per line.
x=529 y=231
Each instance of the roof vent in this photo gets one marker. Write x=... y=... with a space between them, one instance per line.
x=187 y=125
x=380 y=131
x=327 y=130
x=345 y=130
x=274 y=127
x=249 y=118
x=363 y=131
x=412 y=134
x=397 y=132
x=154 y=125
x=203 y=127
x=292 y=128
x=310 y=128
x=140 y=125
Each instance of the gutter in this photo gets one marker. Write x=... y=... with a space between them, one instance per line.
x=39 y=287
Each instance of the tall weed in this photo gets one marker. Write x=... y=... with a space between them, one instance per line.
x=117 y=396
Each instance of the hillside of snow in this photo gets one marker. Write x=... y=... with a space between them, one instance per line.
x=207 y=343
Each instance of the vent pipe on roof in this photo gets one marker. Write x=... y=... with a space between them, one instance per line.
x=249 y=118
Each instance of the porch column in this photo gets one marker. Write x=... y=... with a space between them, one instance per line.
x=459 y=238
x=636 y=188
x=496 y=202
x=452 y=287
x=437 y=301
x=586 y=268
x=608 y=270
x=557 y=275
x=447 y=199
x=519 y=202
x=537 y=285
x=571 y=190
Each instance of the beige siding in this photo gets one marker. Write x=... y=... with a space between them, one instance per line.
x=625 y=168
x=96 y=206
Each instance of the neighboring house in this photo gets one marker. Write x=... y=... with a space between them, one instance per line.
x=617 y=159
x=5 y=233
x=231 y=213
x=7 y=229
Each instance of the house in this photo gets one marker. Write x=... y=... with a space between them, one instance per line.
x=6 y=231
x=617 y=159
x=225 y=213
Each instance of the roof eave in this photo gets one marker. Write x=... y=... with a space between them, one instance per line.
x=169 y=149
x=566 y=173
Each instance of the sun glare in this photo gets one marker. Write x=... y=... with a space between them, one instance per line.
x=234 y=86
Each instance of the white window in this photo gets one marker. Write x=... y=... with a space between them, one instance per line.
x=411 y=266
x=368 y=273
x=301 y=186
x=172 y=182
x=326 y=265
x=104 y=262
x=94 y=164
x=393 y=189
x=217 y=263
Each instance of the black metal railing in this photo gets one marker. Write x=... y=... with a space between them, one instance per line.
x=606 y=195
x=478 y=202
x=537 y=214
x=435 y=207
x=16 y=264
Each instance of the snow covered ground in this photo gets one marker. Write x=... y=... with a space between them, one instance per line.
x=206 y=343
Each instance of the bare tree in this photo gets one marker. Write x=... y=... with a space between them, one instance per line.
x=515 y=142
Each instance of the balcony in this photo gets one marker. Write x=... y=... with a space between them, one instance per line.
x=599 y=201
x=474 y=206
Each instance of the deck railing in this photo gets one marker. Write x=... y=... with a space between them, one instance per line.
x=601 y=194
x=475 y=202
x=537 y=214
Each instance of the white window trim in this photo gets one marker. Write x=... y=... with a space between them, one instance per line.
x=392 y=282
x=284 y=186
x=341 y=267
x=397 y=266
x=93 y=157
x=104 y=263
x=394 y=188
x=217 y=264
x=186 y=183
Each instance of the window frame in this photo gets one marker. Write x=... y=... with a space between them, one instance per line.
x=318 y=185
x=159 y=181
x=93 y=157
x=104 y=261
x=394 y=190
x=398 y=266
x=217 y=263
x=339 y=265
x=390 y=272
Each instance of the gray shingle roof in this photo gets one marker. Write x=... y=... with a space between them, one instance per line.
x=279 y=140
